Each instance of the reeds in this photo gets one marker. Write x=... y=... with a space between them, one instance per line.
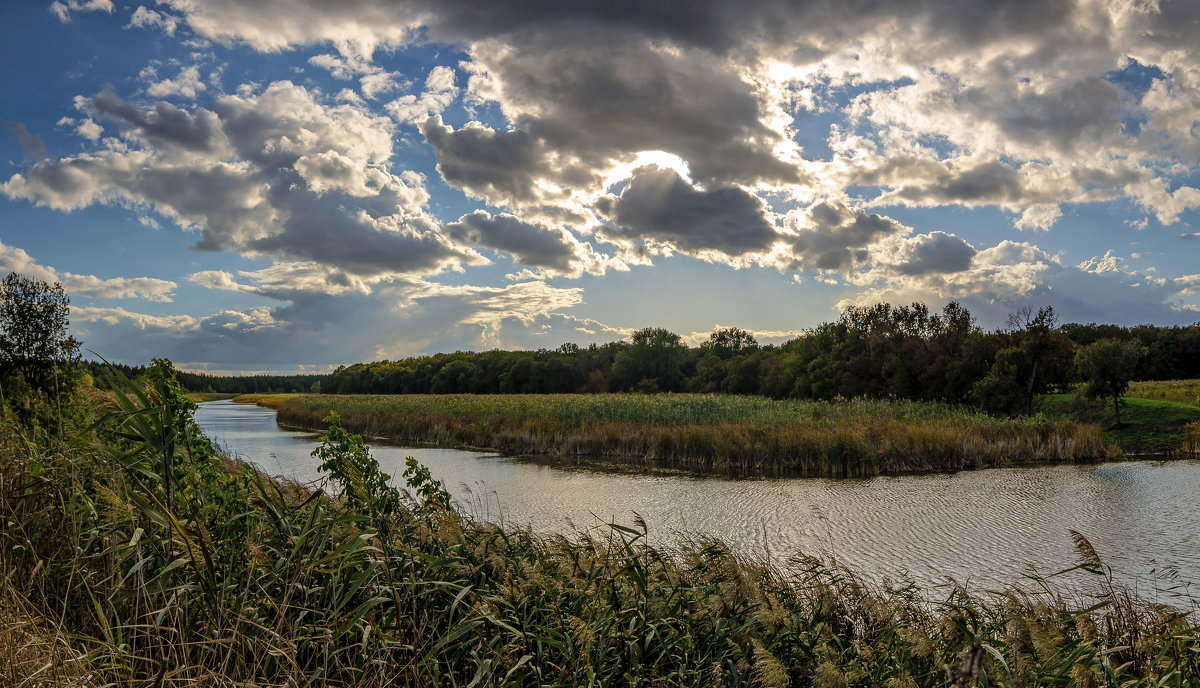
x=239 y=580
x=727 y=434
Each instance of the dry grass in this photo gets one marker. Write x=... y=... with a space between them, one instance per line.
x=710 y=433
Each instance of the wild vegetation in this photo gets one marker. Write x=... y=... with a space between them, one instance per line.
x=709 y=432
x=132 y=555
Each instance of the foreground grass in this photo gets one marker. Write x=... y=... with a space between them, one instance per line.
x=712 y=433
x=137 y=558
x=1147 y=425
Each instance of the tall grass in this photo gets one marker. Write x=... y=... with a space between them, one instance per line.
x=228 y=578
x=713 y=433
x=1179 y=391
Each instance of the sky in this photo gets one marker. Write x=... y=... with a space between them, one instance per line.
x=290 y=185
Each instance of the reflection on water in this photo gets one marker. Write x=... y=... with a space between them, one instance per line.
x=984 y=528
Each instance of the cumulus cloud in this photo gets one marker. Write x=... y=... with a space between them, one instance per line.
x=659 y=205
x=440 y=91
x=829 y=235
x=530 y=244
x=187 y=84
x=13 y=259
x=275 y=172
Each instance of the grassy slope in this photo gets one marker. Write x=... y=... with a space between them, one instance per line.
x=1148 y=425
x=712 y=433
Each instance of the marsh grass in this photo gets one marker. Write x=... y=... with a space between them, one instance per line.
x=728 y=434
x=133 y=558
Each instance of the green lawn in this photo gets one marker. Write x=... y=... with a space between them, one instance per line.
x=1148 y=425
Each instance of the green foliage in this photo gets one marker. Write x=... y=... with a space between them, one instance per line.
x=653 y=362
x=1106 y=368
x=39 y=360
x=356 y=473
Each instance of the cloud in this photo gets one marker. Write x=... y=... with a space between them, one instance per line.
x=499 y=167
x=440 y=91
x=603 y=97
x=373 y=79
x=13 y=259
x=63 y=10
x=276 y=172
x=144 y=18
x=187 y=84
x=658 y=205
x=34 y=147
x=831 y=236
x=530 y=244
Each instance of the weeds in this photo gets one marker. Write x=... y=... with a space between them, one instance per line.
x=127 y=567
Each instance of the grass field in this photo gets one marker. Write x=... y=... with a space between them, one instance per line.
x=1178 y=391
x=729 y=434
x=1148 y=425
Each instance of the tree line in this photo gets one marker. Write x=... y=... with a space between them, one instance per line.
x=879 y=351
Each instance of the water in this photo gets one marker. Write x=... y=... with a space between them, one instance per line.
x=983 y=528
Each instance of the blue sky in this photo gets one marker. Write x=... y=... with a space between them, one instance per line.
x=285 y=185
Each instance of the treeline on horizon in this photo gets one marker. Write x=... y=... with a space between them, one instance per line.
x=879 y=351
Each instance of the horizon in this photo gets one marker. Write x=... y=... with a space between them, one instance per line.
x=297 y=186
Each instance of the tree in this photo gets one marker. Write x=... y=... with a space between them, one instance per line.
x=1106 y=367
x=728 y=342
x=33 y=328
x=653 y=361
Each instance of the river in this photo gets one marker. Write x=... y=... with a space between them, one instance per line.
x=984 y=529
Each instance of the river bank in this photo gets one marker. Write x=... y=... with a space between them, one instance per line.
x=721 y=434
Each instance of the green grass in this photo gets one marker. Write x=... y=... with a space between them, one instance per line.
x=1148 y=425
x=728 y=434
x=1179 y=391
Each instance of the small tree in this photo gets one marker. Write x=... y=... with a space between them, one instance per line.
x=33 y=328
x=39 y=360
x=1106 y=367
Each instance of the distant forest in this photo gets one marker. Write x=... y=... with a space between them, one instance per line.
x=880 y=351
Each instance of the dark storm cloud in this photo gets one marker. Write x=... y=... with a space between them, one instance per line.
x=657 y=204
x=529 y=244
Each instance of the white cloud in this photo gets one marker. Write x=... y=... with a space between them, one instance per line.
x=13 y=259
x=63 y=10
x=187 y=84
x=440 y=91
x=144 y=18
